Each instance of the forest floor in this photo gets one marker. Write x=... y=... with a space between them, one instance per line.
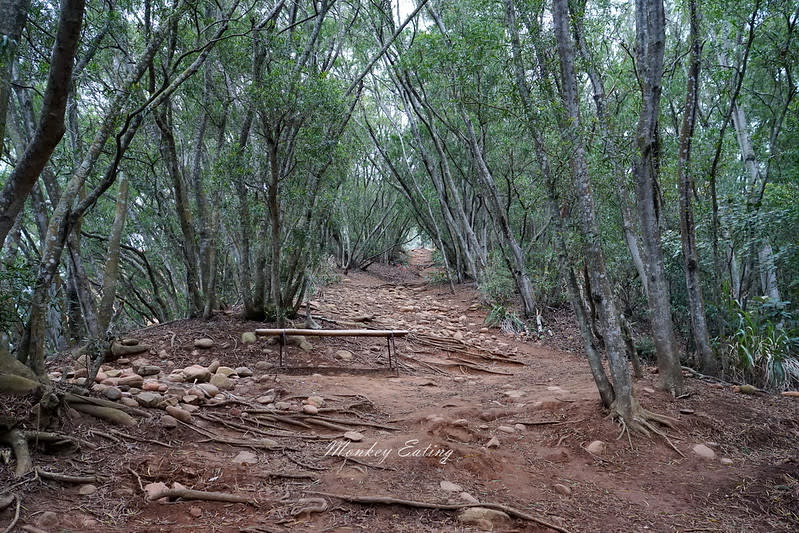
x=472 y=415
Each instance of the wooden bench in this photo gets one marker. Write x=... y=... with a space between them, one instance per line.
x=389 y=334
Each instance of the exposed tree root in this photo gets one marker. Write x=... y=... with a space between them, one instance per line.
x=308 y=506
x=19 y=445
x=386 y=500
x=643 y=422
x=189 y=494
x=46 y=436
x=110 y=414
x=66 y=478
x=14 y=520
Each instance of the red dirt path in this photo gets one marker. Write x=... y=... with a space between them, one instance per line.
x=642 y=485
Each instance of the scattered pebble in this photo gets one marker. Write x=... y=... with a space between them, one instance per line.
x=597 y=447
x=493 y=443
x=204 y=343
x=354 y=436
x=562 y=489
x=450 y=487
x=703 y=451
x=168 y=422
x=87 y=490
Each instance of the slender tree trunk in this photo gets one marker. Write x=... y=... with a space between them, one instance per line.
x=51 y=123
x=111 y=275
x=650 y=44
x=693 y=283
x=624 y=404
x=519 y=269
x=13 y=14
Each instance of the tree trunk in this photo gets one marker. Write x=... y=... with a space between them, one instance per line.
x=111 y=275
x=693 y=283
x=51 y=123
x=650 y=44
x=13 y=14
x=624 y=404
x=518 y=270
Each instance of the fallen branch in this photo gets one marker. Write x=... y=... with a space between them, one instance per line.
x=266 y=444
x=387 y=500
x=13 y=523
x=189 y=494
x=66 y=478
x=77 y=398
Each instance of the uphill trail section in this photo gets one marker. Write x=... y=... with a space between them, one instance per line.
x=476 y=430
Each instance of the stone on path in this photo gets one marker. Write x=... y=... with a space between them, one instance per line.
x=168 y=422
x=344 y=355
x=243 y=372
x=354 y=436
x=222 y=382
x=246 y=458
x=703 y=451
x=112 y=393
x=483 y=518
x=597 y=447
x=204 y=343
x=310 y=409
x=726 y=461
x=562 y=489
x=196 y=373
x=178 y=413
x=248 y=337
x=493 y=443
x=450 y=486
x=506 y=429
x=468 y=498
x=87 y=490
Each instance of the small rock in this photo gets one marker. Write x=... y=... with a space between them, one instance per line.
x=132 y=381
x=163 y=354
x=310 y=409
x=687 y=411
x=214 y=366
x=243 y=372
x=344 y=355
x=458 y=336
x=747 y=389
x=151 y=385
x=726 y=461
x=209 y=389
x=225 y=371
x=493 y=443
x=265 y=399
x=149 y=399
x=483 y=518
x=168 y=422
x=597 y=447
x=189 y=408
x=191 y=399
x=561 y=489
x=318 y=401
x=176 y=377
x=461 y=422
x=195 y=511
x=196 y=373
x=514 y=394
x=283 y=406
x=222 y=382
x=450 y=486
x=112 y=393
x=468 y=498
x=791 y=394
x=263 y=365
x=703 y=451
x=305 y=346
x=354 y=436
x=520 y=427
x=246 y=458
x=149 y=370
x=248 y=337
x=506 y=429
x=178 y=413
x=113 y=373
x=129 y=402
x=47 y=520
x=204 y=343
x=151 y=489
x=87 y=489
x=648 y=390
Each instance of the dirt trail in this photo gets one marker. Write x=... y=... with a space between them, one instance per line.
x=501 y=419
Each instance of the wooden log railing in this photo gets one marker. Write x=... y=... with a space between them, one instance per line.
x=389 y=334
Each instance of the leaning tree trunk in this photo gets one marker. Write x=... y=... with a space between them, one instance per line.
x=650 y=44
x=693 y=283
x=13 y=14
x=51 y=122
